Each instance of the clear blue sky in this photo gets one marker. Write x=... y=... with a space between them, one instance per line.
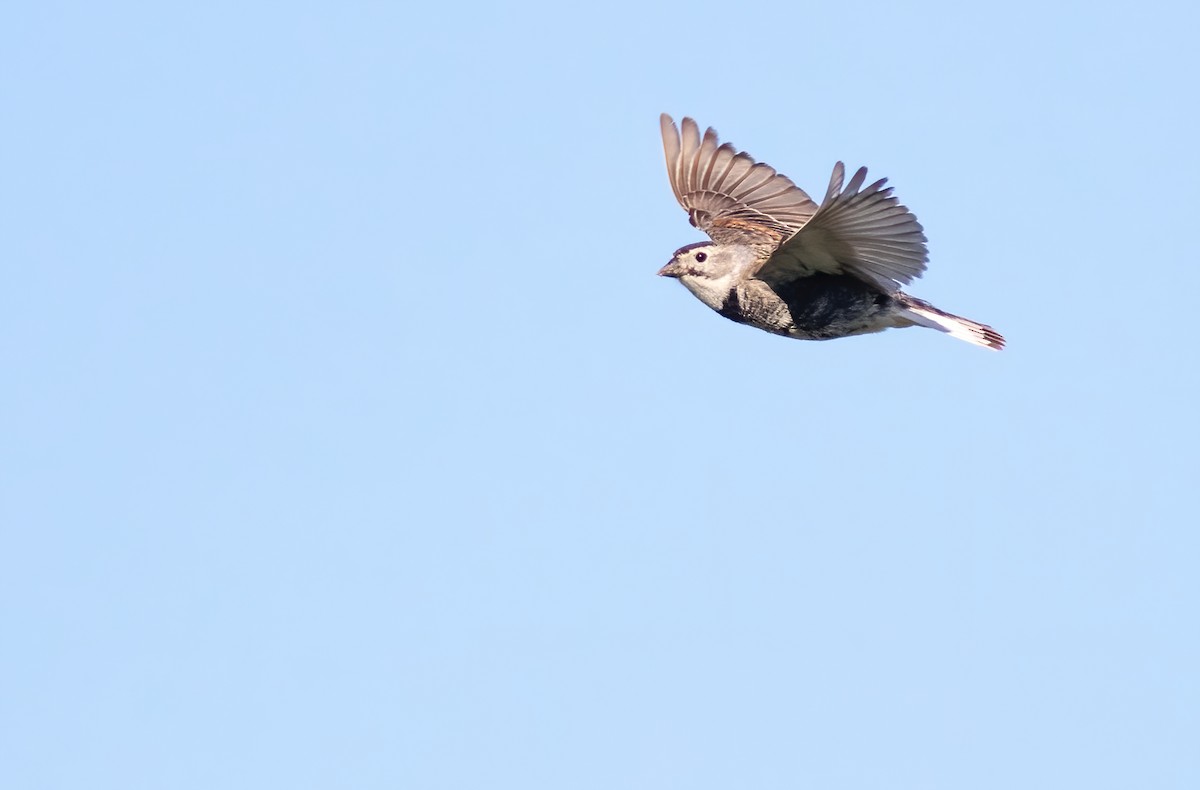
x=349 y=439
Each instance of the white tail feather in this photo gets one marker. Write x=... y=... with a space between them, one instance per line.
x=924 y=314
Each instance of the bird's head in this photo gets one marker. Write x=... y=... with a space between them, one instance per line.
x=705 y=260
x=709 y=270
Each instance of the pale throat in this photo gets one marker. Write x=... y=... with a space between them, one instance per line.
x=710 y=291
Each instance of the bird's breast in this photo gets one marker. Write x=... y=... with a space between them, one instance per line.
x=754 y=303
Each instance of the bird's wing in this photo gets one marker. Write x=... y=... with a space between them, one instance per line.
x=865 y=233
x=727 y=194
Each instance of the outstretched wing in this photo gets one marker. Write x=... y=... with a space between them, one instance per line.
x=727 y=194
x=867 y=234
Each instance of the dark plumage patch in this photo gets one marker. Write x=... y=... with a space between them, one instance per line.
x=731 y=308
x=826 y=304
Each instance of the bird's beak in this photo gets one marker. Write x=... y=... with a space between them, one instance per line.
x=672 y=269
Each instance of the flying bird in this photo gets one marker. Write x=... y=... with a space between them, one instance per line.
x=779 y=262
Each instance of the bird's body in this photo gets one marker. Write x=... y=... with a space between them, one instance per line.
x=780 y=263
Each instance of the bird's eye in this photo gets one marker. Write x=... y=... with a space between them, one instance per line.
x=701 y=257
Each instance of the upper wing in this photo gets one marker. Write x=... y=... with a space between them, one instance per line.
x=727 y=194
x=867 y=234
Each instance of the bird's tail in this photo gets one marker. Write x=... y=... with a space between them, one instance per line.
x=923 y=313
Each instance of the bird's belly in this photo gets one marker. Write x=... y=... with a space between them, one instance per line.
x=825 y=306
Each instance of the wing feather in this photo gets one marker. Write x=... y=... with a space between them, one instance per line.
x=864 y=232
x=726 y=193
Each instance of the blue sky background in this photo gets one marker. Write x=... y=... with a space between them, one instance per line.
x=350 y=441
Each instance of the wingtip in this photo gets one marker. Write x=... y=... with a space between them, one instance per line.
x=836 y=179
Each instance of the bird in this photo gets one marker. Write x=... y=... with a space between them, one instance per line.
x=778 y=262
